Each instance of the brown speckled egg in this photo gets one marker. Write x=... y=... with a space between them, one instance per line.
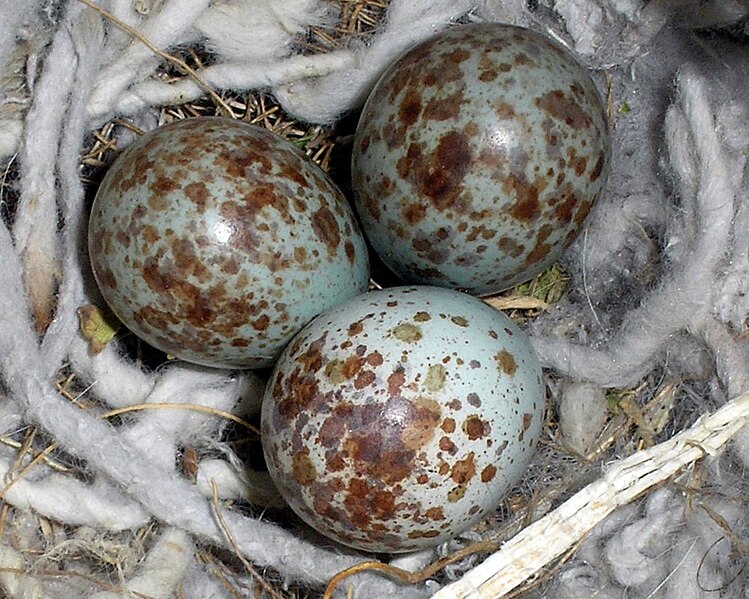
x=478 y=155
x=217 y=241
x=399 y=419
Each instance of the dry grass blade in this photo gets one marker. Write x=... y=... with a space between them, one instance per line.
x=36 y=460
x=216 y=571
x=516 y=302
x=47 y=460
x=232 y=543
x=182 y=406
x=404 y=575
x=180 y=64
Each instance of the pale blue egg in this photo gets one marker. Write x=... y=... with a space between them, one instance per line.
x=478 y=156
x=400 y=418
x=216 y=241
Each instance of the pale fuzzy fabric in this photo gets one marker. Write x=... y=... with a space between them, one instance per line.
x=659 y=276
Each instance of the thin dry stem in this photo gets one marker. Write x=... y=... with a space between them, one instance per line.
x=55 y=465
x=36 y=460
x=182 y=406
x=232 y=543
x=207 y=559
x=179 y=63
x=404 y=575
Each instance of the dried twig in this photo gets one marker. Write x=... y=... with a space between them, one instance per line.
x=179 y=63
x=551 y=536
x=233 y=544
x=182 y=406
x=37 y=459
x=404 y=575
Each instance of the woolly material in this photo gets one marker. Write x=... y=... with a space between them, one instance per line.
x=660 y=276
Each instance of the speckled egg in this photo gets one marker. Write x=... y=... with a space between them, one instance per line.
x=399 y=418
x=478 y=155
x=217 y=241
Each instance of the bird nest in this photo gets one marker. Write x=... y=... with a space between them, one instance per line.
x=657 y=432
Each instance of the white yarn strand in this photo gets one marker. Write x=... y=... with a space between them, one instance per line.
x=682 y=299
x=67 y=500
x=549 y=537
x=35 y=227
x=408 y=22
x=164 y=29
x=87 y=36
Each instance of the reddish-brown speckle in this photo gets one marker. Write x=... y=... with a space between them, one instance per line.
x=506 y=362
x=488 y=473
x=304 y=469
x=564 y=108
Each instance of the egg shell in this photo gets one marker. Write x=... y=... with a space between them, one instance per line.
x=399 y=419
x=216 y=241
x=478 y=156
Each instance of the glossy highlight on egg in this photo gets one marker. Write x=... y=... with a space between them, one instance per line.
x=478 y=156
x=398 y=419
x=216 y=241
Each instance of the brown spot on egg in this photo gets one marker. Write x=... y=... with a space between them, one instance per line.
x=197 y=192
x=565 y=208
x=448 y=425
x=159 y=188
x=475 y=428
x=325 y=226
x=332 y=430
x=407 y=332
x=504 y=110
x=474 y=400
x=423 y=534
x=414 y=213
x=488 y=473
x=350 y=251
x=438 y=176
x=446 y=444
x=564 y=108
x=527 y=419
x=419 y=425
x=395 y=381
x=444 y=108
x=506 y=362
x=435 y=378
x=410 y=108
x=364 y=379
x=303 y=468
x=541 y=249
x=510 y=247
x=459 y=320
x=458 y=55
x=261 y=323
x=598 y=168
x=456 y=493
x=355 y=328
x=455 y=404
x=463 y=470
x=435 y=513
x=150 y=233
x=526 y=207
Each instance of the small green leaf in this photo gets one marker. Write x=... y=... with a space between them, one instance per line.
x=96 y=327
